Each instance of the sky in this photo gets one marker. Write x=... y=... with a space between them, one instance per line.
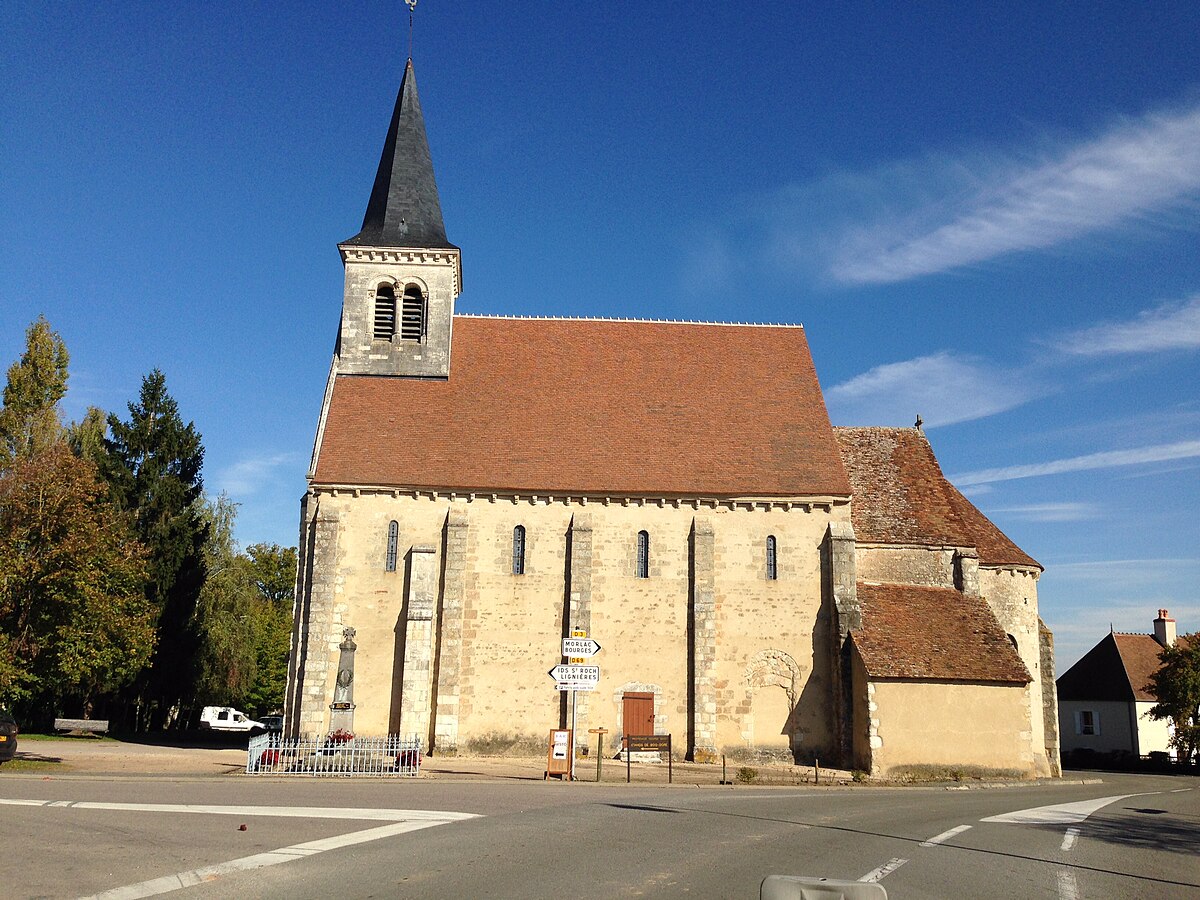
x=986 y=215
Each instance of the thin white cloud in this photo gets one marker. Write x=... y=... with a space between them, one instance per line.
x=942 y=388
x=1172 y=326
x=1051 y=512
x=1136 y=570
x=1136 y=168
x=1104 y=460
x=248 y=476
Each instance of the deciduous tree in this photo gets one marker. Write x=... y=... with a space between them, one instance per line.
x=274 y=570
x=1176 y=686
x=29 y=419
x=225 y=615
x=74 y=619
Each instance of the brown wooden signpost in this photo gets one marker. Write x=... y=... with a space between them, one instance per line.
x=600 y=733
x=648 y=743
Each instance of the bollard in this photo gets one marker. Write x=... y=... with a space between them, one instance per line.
x=816 y=770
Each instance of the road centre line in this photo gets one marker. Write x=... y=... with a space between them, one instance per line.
x=884 y=871
x=1069 y=838
x=193 y=877
x=945 y=836
x=1068 y=888
x=281 y=812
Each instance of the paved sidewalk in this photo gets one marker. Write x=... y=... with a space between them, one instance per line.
x=133 y=758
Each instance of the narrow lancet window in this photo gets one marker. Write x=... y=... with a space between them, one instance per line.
x=643 y=554
x=772 y=572
x=385 y=313
x=412 y=314
x=393 y=539
x=518 y=554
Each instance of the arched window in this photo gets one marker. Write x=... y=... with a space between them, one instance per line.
x=412 y=314
x=772 y=572
x=385 y=313
x=518 y=567
x=393 y=538
x=643 y=554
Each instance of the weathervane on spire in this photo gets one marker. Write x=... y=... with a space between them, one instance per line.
x=412 y=6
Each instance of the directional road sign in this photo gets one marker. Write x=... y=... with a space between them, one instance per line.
x=575 y=678
x=582 y=647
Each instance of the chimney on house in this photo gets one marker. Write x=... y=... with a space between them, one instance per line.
x=1164 y=629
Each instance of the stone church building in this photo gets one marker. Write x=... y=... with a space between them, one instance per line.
x=762 y=584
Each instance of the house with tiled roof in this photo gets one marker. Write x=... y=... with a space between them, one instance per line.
x=761 y=584
x=1105 y=698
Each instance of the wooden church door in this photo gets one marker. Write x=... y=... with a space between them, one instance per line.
x=638 y=713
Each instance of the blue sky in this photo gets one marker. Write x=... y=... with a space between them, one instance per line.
x=988 y=217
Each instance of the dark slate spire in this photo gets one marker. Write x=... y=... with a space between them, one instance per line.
x=404 y=210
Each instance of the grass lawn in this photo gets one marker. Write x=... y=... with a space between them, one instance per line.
x=30 y=765
x=64 y=737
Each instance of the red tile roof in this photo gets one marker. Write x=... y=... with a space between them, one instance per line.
x=594 y=406
x=931 y=633
x=902 y=497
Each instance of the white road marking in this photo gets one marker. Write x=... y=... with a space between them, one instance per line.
x=280 y=812
x=945 y=836
x=1060 y=813
x=401 y=821
x=1069 y=838
x=1181 y=790
x=169 y=883
x=1067 y=888
x=884 y=871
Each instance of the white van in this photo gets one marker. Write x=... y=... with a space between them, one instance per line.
x=226 y=718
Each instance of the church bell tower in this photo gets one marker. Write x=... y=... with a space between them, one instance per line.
x=402 y=274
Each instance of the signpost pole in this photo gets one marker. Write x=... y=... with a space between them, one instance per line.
x=571 y=777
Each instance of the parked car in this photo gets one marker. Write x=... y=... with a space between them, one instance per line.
x=8 y=736
x=226 y=718
x=273 y=724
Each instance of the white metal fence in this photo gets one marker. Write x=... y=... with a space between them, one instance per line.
x=334 y=755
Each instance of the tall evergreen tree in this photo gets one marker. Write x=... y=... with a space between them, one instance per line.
x=29 y=419
x=153 y=465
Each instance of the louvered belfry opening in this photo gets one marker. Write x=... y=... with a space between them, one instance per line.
x=385 y=313
x=412 y=314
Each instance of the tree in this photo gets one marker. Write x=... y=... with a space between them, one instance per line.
x=225 y=614
x=274 y=571
x=153 y=464
x=1176 y=686
x=86 y=437
x=29 y=419
x=74 y=619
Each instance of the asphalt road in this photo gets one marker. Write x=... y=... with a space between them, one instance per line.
x=1130 y=836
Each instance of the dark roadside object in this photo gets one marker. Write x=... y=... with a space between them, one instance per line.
x=8 y=736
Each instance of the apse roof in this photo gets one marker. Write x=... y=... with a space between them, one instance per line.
x=902 y=497
x=932 y=633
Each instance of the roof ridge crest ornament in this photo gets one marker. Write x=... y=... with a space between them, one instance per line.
x=412 y=7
